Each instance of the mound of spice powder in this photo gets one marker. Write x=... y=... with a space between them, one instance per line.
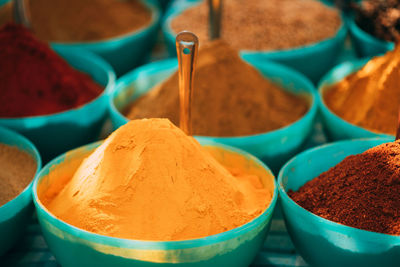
x=362 y=191
x=379 y=18
x=264 y=25
x=17 y=170
x=150 y=181
x=87 y=20
x=34 y=80
x=369 y=97
x=230 y=97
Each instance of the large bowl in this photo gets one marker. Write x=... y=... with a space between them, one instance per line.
x=337 y=128
x=128 y=51
x=365 y=44
x=312 y=60
x=16 y=214
x=75 y=247
x=56 y=133
x=322 y=242
x=274 y=147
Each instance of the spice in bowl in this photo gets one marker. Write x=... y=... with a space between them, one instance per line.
x=35 y=81
x=87 y=20
x=17 y=169
x=264 y=25
x=369 y=97
x=150 y=181
x=230 y=98
x=379 y=18
x=362 y=191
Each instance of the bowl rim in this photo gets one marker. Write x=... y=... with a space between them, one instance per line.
x=328 y=223
x=169 y=64
x=155 y=245
x=348 y=67
x=9 y=207
x=86 y=56
x=341 y=33
x=155 y=18
x=360 y=34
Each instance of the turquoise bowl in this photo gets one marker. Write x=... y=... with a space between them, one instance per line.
x=322 y=242
x=56 y=133
x=337 y=128
x=16 y=214
x=274 y=147
x=311 y=60
x=128 y=51
x=365 y=44
x=75 y=247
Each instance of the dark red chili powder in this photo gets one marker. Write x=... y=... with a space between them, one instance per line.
x=34 y=80
x=362 y=191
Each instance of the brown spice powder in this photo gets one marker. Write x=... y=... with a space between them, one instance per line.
x=6 y=14
x=369 y=97
x=231 y=98
x=264 y=25
x=362 y=191
x=17 y=169
x=86 y=20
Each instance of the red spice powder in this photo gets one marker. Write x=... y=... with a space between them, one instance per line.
x=362 y=191
x=34 y=80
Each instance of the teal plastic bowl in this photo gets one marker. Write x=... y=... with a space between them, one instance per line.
x=337 y=128
x=312 y=60
x=322 y=242
x=125 y=52
x=75 y=247
x=16 y=214
x=274 y=147
x=56 y=133
x=365 y=44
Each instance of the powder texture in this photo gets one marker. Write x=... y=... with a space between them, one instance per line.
x=86 y=20
x=149 y=181
x=34 y=80
x=369 y=97
x=230 y=97
x=17 y=169
x=362 y=191
x=245 y=24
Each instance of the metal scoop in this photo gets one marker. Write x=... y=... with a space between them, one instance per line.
x=20 y=13
x=186 y=47
x=215 y=16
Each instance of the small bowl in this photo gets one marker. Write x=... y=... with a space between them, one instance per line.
x=73 y=246
x=312 y=60
x=128 y=51
x=337 y=128
x=274 y=147
x=365 y=44
x=16 y=214
x=56 y=133
x=322 y=242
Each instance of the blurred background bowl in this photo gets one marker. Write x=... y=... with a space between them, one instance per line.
x=336 y=127
x=125 y=52
x=322 y=242
x=274 y=147
x=16 y=214
x=364 y=43
x=73 y=246
x=56 y=133
x=311 y=60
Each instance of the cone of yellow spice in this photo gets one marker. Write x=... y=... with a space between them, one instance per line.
x=150 y=181
x=369 y=98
